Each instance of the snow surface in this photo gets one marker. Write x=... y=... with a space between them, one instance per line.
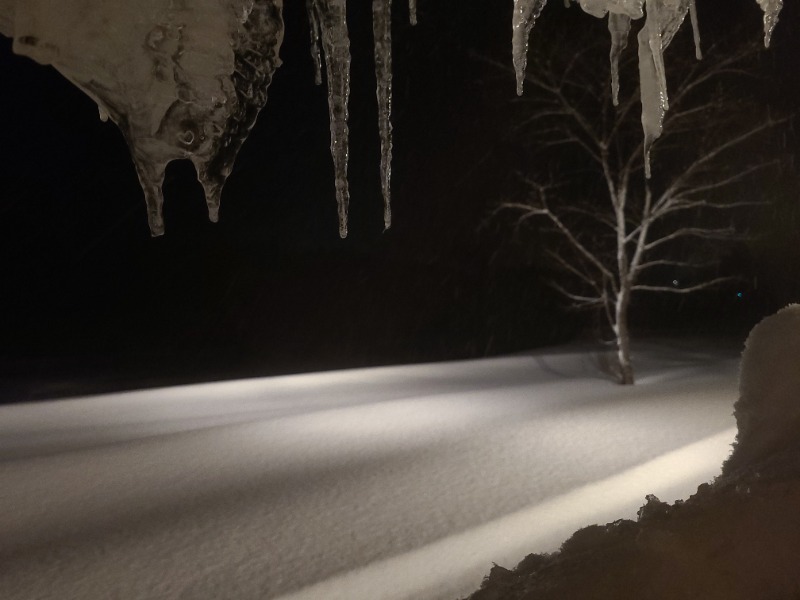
x=736 y=539
x=399 y=482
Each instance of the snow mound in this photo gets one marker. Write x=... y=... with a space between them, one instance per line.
x=768 y=409
x=735 y=539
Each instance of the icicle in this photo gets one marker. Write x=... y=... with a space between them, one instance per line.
x=525 y=14
x=619 y=26
x=671 y=15
x=657 y=50
x=650 y=91
x=332 y=15
x=632 y=8
x=102 y=113
x=598 y=8
x=664 y=18
x=382 y=30
x=772 y=9
x=313 y=26
x=651 y=94
x=695 y=30
x=412 y=11
x=620 y=13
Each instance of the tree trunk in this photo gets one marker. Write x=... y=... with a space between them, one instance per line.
x=623 y=337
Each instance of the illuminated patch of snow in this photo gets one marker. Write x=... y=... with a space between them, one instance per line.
x=257 y=488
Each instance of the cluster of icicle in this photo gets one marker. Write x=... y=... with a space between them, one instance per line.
x=328 y=25
x=663 y=19
x=329 y=34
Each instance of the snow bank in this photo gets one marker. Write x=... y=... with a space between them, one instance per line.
x=738 y=538
x=768 y=409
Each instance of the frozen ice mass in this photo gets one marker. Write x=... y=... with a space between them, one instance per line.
x=188 y=78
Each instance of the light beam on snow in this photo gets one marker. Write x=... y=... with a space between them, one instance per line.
x=462 y=558
x=382 y=30
x=332 y=16
x=525 y=14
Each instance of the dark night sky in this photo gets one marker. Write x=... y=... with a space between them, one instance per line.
x=91 y=302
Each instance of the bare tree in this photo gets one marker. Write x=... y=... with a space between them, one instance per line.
x=614 y=233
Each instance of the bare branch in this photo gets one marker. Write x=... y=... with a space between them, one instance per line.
x=699 y=232
x=683 y=181
x=681 y=205
x=578 y=300
x=683 y=290
x=570 y=268
x=687 y=264
x=578 y=246
x=699 y=188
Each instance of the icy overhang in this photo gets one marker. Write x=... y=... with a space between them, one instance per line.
x=187 y=78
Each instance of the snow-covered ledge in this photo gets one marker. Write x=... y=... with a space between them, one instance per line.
x=735 y=539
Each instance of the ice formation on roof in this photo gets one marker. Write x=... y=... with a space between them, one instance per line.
x=664 y=18
x=771 y=8
x=525 y=14
x=332 y=18
x=179 y=81
x=619 y=26
x=313 y=28
x=195 y=87
x=382 y=31
x=695 y=30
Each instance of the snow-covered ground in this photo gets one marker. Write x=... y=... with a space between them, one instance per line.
x=387 y=483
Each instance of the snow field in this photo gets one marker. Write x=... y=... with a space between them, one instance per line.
x=317 y=483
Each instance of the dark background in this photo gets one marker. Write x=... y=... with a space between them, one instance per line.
x=89 y=302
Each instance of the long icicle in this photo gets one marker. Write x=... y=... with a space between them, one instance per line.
x=619 y=26
x=698 y=51
x=650 y=92
x=663 y=21
x=525 y=14
x=332 y=15
x=771 y=8
x=412 y=11
x=382 y=31
x=657 y=49
x=313 y=26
